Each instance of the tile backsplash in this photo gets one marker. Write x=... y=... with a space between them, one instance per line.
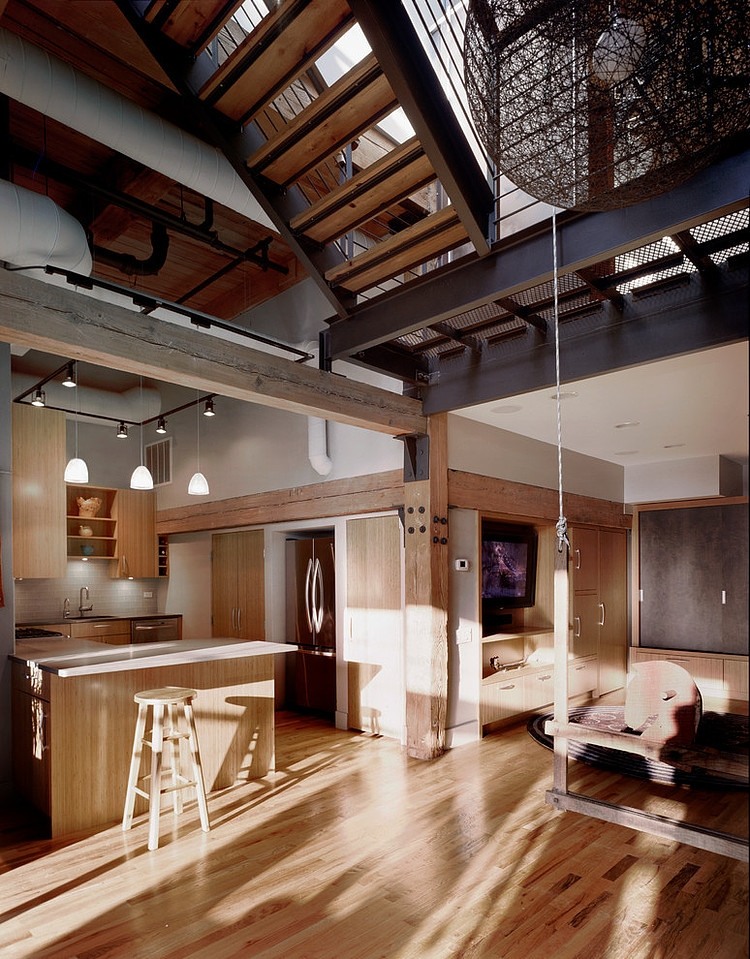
x=41 y=600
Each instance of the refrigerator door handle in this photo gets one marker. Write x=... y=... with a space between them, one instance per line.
x=309 y=601
x=318 y=597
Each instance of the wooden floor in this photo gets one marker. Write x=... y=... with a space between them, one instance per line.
x=353 y=851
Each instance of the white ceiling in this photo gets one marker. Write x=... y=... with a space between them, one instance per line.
x=684 y=407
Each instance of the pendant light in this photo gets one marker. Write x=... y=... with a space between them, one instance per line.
x=141 y=478
x=198 y=485
x=76 y=471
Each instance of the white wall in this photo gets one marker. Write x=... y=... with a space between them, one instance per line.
x=478 y=448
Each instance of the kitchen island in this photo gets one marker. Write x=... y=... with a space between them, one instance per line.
x=74 y=718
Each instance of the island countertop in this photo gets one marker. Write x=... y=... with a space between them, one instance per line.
x=81 y=657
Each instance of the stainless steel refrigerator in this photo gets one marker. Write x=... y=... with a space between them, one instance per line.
x=311 y=623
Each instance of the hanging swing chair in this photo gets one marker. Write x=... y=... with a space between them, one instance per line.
x=594 y=105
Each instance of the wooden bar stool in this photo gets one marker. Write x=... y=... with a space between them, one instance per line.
x=171 y=778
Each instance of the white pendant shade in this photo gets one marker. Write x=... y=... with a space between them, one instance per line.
x=141 y=478
x=76 y=471
x=198 y=485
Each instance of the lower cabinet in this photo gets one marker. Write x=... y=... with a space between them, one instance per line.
x=512 y=695
x=501 y=700
x=115 y=632
x=713 y=673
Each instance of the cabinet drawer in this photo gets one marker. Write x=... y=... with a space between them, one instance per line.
x=107 y=631
x=539 y=689
x=500 y=700
x=708 y=673
x=29 y=678
x=582 y=677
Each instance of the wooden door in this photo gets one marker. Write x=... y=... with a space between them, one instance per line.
x=613 y=631
x=136 y=534
x=584 y=558
x=38 y=450
x=373 y=631
x=584 y=640
x=224 y=563
x=251 y=611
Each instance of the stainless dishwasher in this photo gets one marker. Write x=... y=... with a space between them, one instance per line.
x=157 y=630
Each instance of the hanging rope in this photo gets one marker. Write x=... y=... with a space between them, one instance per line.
x=562 y=523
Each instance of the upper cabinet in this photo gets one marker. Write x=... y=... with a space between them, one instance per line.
x=38 y=493
x=136 y=534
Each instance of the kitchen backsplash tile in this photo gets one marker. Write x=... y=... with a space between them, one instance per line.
x=38 y=600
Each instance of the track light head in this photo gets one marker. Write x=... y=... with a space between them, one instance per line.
x=70 y=377
x=209 y=409
x=39 y=398
x=122 y=431
x=161 y=425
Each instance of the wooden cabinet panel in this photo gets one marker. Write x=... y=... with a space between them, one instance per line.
x=582 y=678
x=238 y=585
x=584 y=558
x=613 y=629
x=136 y=534
x=373 y=643
x=94 y=537
x=539 y=689
x=30 y=732
x=38 y=450
x=116 y=632
x=599 y=601
x=586 y=619
x=501 y=700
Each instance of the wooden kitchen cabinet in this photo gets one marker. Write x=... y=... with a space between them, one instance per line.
x=38 y=449
x=238 y=585
x=115 y=632
x=137 y=552
x=598 y=576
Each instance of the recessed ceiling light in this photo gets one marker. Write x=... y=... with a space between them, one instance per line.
x=625 y=452
x=508 y=408
x=672 y=446
x=626 y=425
x=564 y=395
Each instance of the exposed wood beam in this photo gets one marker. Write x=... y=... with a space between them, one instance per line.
x=517 y=264
x=58 y=320
x=373 y=493
x=280 y=207
x=394 y=41
x=693 y=317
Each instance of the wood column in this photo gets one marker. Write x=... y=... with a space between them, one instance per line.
x=426 y=598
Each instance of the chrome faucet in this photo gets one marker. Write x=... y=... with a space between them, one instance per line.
x=66 y=608
x=85 y=595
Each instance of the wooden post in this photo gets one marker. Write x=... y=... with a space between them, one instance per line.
x=426 y=596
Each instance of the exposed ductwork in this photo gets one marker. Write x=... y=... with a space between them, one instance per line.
x=37 y=232
x=130 y=265
x=317 y=445
x=57 y=90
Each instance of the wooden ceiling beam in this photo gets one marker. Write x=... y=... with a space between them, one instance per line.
x=60 y=321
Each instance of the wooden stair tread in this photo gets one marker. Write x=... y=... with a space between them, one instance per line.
x=370 y=191
x=285 y=44
x=432 y=236
x=189 y=23
x=351 y=105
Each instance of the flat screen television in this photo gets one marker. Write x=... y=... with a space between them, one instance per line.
x=508 y=572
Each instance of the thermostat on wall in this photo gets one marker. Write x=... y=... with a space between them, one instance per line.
x=462 y=565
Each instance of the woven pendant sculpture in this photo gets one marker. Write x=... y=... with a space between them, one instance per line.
x=595 y=105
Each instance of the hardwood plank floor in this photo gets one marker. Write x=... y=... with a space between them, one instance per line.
x=351 y=850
